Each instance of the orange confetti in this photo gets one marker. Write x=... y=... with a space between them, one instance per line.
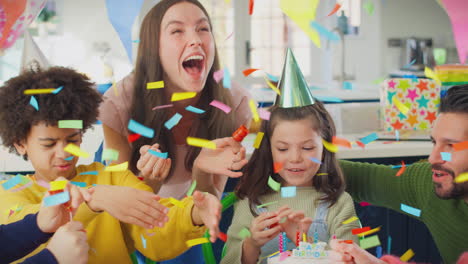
x=277 y=167
x=335 y=9
x=402 y=169
x=360 y=230
x=341 y=142
x=460 y=146
x=133 y=137
x=362 y=145
x=247 y=72
x=251 y=6
x=346 y=241
x=222 y=236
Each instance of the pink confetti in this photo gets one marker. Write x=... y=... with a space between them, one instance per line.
x=43 y=184
x=226 y=109
x=364 y=204
x=230 y=35
x=264 y=114
x=218 y=75
x=284 y=255
x=162 y=106
x=23 y=187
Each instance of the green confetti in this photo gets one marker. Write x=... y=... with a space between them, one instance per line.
x=369 y=7
x=110 y=154
x=369 y=242
x=266 y=204
x=78 y=124
x=273 y=184
x=192 y=188
x=244 y=233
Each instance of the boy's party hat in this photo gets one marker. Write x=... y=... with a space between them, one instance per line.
x=294 y=89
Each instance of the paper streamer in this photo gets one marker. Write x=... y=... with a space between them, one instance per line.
x=258 y=140
x=197 y=241
x=200 y=142
x=253 y=109
x=227 y=79
x=273 y=184
x=138 y=128
x=410 y=210
x=194 y=109
x=155 y=85
x=332 y=36
x=182 y=96
x=173 y=121
x=119 y=167
x=34 y=103
x=57 y=185
x=38 y=91
x=75 y=150
x=289 y=191
x=226 y=109
x=77 y=124
x=56 y=199
x=162 y=155
x=110 y=154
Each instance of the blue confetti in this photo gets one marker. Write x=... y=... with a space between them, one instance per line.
x=289 y=191
x=325 y=32
x=378 y=252
x=330 y=99
x=158 y=154
x=89 y=173
x=397 y=135
x=315 y=160
x=410 y=210
x=226 y=78
x=194 y=109
x=58 y=198
x=369 y=138
x=447 y=156
x=79 y=184
x=173 y=121
x=69 y=158
x=138 y=128
x=272 y=78
x=389 y=244
x=347 y=86
x=57 y=90
x=143 y=241
x=34 y=103
x=12 y=182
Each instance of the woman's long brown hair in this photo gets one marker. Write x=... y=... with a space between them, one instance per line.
x=210 y=125
x=254 y=182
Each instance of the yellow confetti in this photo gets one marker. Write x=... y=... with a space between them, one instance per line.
x=197 y=241
x=407 y=256
x=272 y=86
x=462 y=177
x=304 y=238
x=57 y=185
x=253 y=108
x=431 y=74
x=403 y=108
x=76 y=151
x=350 y=220
x=39 y=91
x=176 y=202
x=330 y=146
x=258 y=140
x=200 y=142
x=182 y=96
x=372 y=231
x=302 y=12
x=119 y=167
x=155 y=85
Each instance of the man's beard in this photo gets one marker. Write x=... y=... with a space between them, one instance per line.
x=457 y=190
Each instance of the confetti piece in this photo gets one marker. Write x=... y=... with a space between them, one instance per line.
x=447 y=156
x=272 y=86
x=110 y=154
x=227 y=79
x=430 y=74
x=350 y=220
x=200 y=142
x=402 y=170
x=173 y=121
x=335 y=9
x=176 y=202
x=360 y=230
x=341 y=142
x=136 y=41
x=38 y=91
x=79 y=184
x=315 y=160
x=410 y=210
x=251 y=6
x=369 y=232
x=348 y=86
x=182 y=96
x=359 y=143
x=57 y=90
x=57 y=185
x=369 y=138
x=133 y=137
x=258 y=140
x=247 y=72
x=369 y=7
x=273 y=184
x=77 y=124
x=34 y=103
x=289 y=191
x=369 y=242
x=264 y=114
x=277 y=167
x=226 y=109
x=192 y=188
x=330 y=99
x=75 y=150
x=322 y=173
x=218 y=75
x=364 y=204
x=229 y=36
x=162 y=155
x=378 y=252
x=194 y=109
x=197 y=241
x=56 y=199
x=401 y=107
x=43 y=184
x=272 y=78
x=244 y=233
x=330 y=146
x=162 y=106
x=222 y=236
x=463 y=177
x=389 y=244
x=253 y=109
x=266 y=204
x=397 y=135
x=407 y=256
x=143 y=241
x=27 y=185
x=138 y=128
x=69 y=158
x=119 y=167
x=378 y=81
x=12 y=182
x=155 y=85
x=332 y=36
x=89 y=173
x=460 y=146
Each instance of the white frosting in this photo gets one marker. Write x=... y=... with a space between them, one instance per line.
x=306 y=253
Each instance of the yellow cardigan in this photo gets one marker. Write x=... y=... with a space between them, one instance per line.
x=110 y=240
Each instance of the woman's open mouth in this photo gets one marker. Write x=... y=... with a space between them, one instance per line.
x=194 y=65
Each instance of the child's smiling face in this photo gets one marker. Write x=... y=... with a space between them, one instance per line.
x=44 y=148
x=293 y=144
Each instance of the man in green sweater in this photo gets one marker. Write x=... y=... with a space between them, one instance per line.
x=428 y=186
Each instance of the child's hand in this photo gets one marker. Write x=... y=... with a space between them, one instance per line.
x=154 y=170
x=229 y=155
x=264 y=228
x=130 y=205
x=207 y=211
x=350 y=253
x=295 y=221
x=69 y=244
x=50 y=218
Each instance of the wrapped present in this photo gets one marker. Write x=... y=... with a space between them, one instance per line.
x=409 y=104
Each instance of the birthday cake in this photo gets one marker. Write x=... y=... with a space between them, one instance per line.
x=306 y=253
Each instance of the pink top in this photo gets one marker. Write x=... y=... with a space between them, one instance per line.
x=115 y=113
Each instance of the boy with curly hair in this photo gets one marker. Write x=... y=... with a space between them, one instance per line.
x=123 y=213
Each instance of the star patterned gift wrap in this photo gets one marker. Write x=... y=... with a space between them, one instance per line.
x=409 y=104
